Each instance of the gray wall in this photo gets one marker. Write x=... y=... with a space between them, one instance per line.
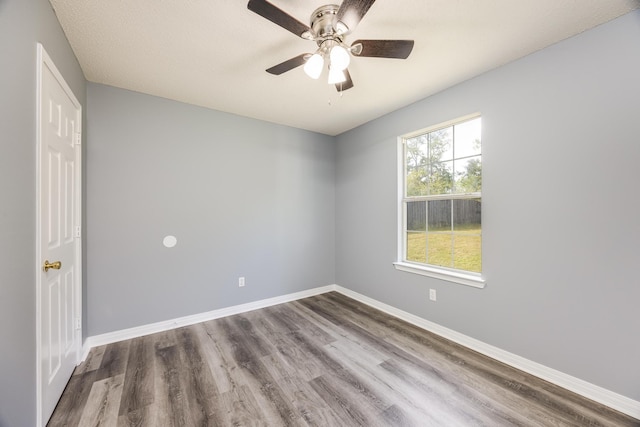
x=255 y=199
x=243 y=197
x=560 y=208
x=22 y=24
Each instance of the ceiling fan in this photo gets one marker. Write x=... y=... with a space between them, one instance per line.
x=329 y=26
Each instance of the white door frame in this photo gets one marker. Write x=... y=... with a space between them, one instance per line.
x=43 y=60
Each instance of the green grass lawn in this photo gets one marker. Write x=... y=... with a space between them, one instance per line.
x=460 y=249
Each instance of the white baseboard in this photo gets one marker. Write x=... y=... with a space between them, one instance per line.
x=590 y=391
x=139 y=331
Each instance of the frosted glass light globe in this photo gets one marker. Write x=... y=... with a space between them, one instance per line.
x=313 y=66
x=336 y=76
x=339 y=58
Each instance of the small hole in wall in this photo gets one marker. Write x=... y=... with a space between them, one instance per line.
x=169 y=241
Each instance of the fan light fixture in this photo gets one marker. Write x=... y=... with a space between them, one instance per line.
x=314 y=65
x=339 y=59
x=336 y=75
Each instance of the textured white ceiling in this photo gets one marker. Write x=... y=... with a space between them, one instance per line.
x=213 y=53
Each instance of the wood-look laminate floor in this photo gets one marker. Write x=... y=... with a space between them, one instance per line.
x=321 y=361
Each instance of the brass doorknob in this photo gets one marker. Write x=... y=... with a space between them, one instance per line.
x=55 y=265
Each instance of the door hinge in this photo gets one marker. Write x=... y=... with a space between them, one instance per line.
x=78 y=324
x=78 y=137
x=78 y=231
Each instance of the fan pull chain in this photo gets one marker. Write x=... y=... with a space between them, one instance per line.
x=340 y=93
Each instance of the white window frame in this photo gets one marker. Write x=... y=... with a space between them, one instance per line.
x=443 y=273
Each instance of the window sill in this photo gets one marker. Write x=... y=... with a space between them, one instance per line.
x=450 y=276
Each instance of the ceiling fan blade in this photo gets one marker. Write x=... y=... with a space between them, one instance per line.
x=289 y=64
x=352 y=11
x=277 y=16
x=347 y=84
x=399 y=49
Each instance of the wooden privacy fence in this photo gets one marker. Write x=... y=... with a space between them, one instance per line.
x=439 y=213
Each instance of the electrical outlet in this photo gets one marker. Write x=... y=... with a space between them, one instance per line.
x=240 y=282
x=432 y=294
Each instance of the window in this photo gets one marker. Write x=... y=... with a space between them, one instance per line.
x=441 y=181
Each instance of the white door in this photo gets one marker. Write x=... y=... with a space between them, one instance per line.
x=58 y=229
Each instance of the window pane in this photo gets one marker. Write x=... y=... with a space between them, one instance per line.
x=417 y=181
x=439 y=249
x=467 y=225
x=441 y=178
x=439 y=215
x=467 y=250
x=468 y=136
x=467 y=216
x=441 y=144
x=417 y=247
x=468 y=175
x=416 y=165
x=417 y=216
x=417 y=147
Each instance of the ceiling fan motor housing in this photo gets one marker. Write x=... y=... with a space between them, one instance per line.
x=324 y=24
